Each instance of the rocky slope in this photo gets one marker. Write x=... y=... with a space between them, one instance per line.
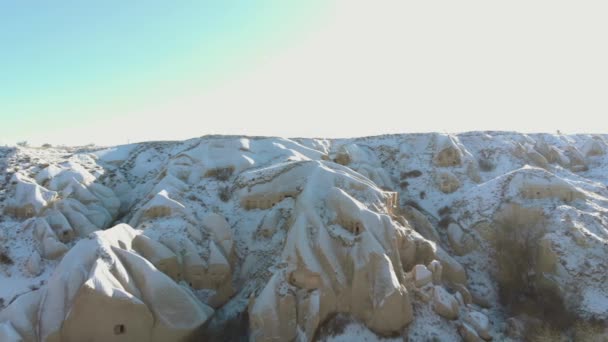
x=420 y=237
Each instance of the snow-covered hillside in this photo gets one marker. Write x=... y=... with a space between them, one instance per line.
x=419 y=237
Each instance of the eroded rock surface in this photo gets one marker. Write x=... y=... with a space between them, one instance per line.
x=476 y=236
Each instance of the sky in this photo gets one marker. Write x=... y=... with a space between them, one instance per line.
x=114 y=72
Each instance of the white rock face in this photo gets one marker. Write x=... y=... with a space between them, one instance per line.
x=336 y=255
x=447 y=151
x=33 y=264
x=422 y=275
x=468 y=333
x=437 y=270
x=29 y=198
x=456 y=237
x=8 y=333
x=159 y=255
x=595 y=146
x=218 y=237
x=161 y=205
x=445 y=304
x=126 y=294
x=221 y=233
x=480 y=323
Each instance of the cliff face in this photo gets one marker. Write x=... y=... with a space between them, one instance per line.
x=476 y=236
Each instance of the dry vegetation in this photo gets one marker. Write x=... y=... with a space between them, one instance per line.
x=518 y=231
x=518 y=234
x=5 y=258
x=224 y=193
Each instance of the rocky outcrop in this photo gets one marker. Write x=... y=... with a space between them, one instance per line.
x=480 y=323
x=129 y=298
x=461 y=242
x=159 y=255
x=341 y=256
x=447 y=182
x=275 y=239
x=29 y=198
x=8 y=333
x=596 y=146
x=447 y=152
x=445 y=304
x=422 y=275
x=536 y=184
x=72 y=207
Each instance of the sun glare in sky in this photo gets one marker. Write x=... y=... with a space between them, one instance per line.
x=113 y=72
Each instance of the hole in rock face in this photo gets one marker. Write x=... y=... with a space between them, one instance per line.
x=357 y=228
x=119 y=329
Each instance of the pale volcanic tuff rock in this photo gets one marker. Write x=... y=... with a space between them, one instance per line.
x=29 y=198
x=67 y=206
x=445 y=304
x=337 y=248
x=279 y=239
x=8 y=333
x=128 y=297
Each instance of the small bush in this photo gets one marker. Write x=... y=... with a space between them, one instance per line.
x=5 y=258
x=445 y=222
x=234 y=327
x=411 y=174
x=412 y=204
x=333 y=326
x=404 y=184
x=23 y=144
x=518 y=231
x=486 y=165
x=422 y=194
x=221 y=174
x=47 y=145
x=544 y=333
x=590 y=332
x=444 y=211
x=224 y=193
x=486 y=162
x=582 y=331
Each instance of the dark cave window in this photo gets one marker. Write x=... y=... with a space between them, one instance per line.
x=119 y=329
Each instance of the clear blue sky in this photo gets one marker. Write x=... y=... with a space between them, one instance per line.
x=63 y=62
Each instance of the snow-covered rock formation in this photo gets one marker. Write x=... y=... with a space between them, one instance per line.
x=476 y=236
